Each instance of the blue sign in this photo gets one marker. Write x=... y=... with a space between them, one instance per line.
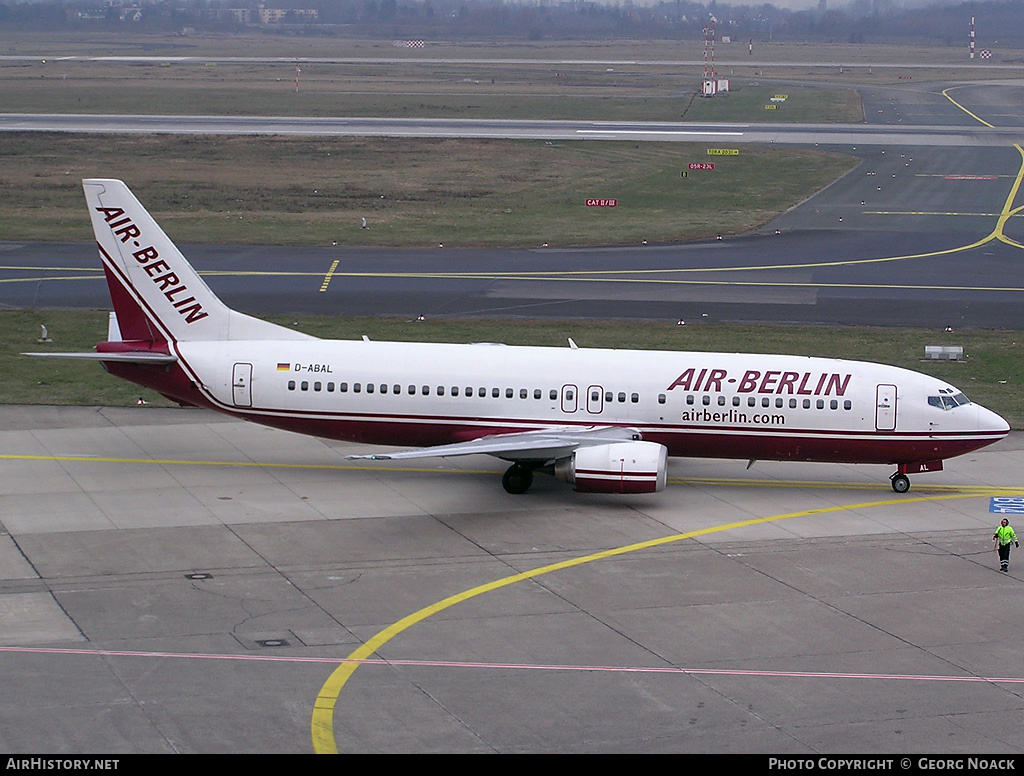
x=1006 y=505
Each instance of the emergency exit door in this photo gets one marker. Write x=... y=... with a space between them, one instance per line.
x=885 y=408
x=241 y=385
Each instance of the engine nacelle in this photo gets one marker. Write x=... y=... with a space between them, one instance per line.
x=620 y=467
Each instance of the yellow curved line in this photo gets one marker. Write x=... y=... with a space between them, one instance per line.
x=322 y=722
x=945 y=93
x=574 y=274
x=1008 y=209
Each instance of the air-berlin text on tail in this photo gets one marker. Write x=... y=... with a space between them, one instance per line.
x=768 y=381
x=157 y=269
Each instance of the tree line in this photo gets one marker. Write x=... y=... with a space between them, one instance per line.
x=999 y=22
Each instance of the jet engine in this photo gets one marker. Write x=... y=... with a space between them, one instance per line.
x=620 y=467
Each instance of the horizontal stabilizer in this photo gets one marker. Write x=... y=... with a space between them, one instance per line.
x=126 y=358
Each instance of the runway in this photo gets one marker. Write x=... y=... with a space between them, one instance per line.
x=175 y=581
x=789 y=134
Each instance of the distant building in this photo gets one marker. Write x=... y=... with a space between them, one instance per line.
x=278 y=15
x=239 y=15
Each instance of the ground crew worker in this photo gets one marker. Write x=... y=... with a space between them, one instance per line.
x=1001 y=541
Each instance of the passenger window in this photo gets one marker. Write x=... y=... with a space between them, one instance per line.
x=291 y=385
x=661 y=398
x=792 y=404
x=634 y=398
x=509 y=393
x=807 y=404
x=766 y=402
x=751 y=401
x=689 y=398
x=735 y=401
x=721 y=400
x=425 y=390
x=778 y=402
x=608 y=396
x=330 y=387
x=482 y=393
x=820 y=404
x=536 y=393
x=847 y=405
x=383 y=388
x=834 y=404
x=304 y=385
x=316 y=386
x=440 y=390
x=705 y=400
x=412 y=390
x=356 y=387
x=455 y=390
x=622 y=397
x=496 y=393
x=552 y=395
x=369 y=387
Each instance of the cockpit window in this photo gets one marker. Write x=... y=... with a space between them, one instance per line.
x=947 y=400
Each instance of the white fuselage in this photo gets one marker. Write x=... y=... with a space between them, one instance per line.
x=696 y=404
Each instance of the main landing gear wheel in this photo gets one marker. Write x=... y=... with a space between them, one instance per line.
x=900 y=483
x=517 y=479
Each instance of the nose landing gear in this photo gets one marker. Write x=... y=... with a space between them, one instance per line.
x=900 y=480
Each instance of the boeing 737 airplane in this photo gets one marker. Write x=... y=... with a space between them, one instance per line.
x=602 y=420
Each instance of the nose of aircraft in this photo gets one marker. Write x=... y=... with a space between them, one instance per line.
x=991 y=423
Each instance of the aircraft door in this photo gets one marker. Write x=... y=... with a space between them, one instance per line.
x=595 y=399
x=569 y=399
x=241 y=385
x=885 y=408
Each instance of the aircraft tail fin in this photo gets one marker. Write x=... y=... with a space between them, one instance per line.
x=156 y=293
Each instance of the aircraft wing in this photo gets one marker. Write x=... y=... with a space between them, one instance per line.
x=544 y=444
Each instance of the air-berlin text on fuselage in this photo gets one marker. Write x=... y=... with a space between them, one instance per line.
x=158 y=269
x=767 y=381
